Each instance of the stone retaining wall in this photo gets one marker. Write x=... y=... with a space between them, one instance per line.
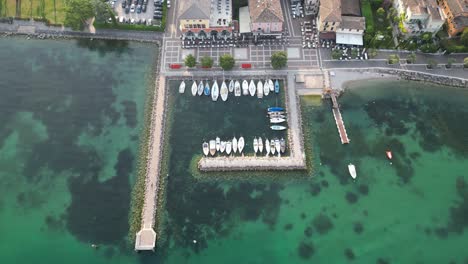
x=425 y=77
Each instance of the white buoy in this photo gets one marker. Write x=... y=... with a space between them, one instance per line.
x=194 y=241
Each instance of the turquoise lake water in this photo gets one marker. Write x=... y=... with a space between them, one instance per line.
x=71 y=115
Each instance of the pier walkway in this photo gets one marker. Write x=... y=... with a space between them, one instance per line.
x=339 y=120
x=295 y=161
x=146 y=237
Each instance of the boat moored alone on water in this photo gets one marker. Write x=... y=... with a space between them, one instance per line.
x=245 y=87
x=237 y=89
x=260 y=89
x=200 y=88
x=224 y=92
x=252 y=88
x=215 y=91
x=207 y=90
x=352 y=171
x=194 y=88
x=278 y=128
x=182 y=87
x=206 y=148
x=389 y=154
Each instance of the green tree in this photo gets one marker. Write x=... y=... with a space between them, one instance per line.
x=464 y=37
x=336 y=54
x=207 y=62
x=465 y=62
x=77 y=12
x=393 y=59
x=279 y=60
x=411 y=58
x=227 y=62
x=103 y=12
x=381 y=12
x=190 y=61
x=431 y=64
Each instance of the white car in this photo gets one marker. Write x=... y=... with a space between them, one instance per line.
x=132 y=8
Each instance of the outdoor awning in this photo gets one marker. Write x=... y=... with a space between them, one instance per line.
x=349 y=38
x=244 y=20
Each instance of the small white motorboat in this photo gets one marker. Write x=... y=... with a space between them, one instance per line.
x=206 y=148
x=255 y=145
x=224 y=91
x=277 y=120
x=237 y=89
x=222 y=146
x=283 y=145
x=267 y=146
x=260 y=144
x=241 y=144
x=215 y=91
x=271 y=85
x=352 y=171
x=212 y=147
x=277 y=146
x=389 y=154
x=194 y=88
x=228 y=147
x=234 y=144
x=252 y=88
x=218 y=143
x=278 y=128
x=245 y=87
x=260 y=89
x=201 y=87
x=272 y=146
x=182 y=87
x=231 y=86
x=266 y=88
x=275 y=115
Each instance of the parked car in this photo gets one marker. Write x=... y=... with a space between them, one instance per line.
x=132 y=8
x=158 y=8
x=127 y=9
x=138 y=9
x=143 y=9
x=157 y=16
x=124 y=3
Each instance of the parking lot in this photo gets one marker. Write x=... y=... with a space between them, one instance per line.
x=137 y=11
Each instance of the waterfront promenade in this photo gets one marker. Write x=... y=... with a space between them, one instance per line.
x=296 y=159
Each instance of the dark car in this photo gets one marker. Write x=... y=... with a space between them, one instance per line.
x=143 y=9
x=158 y=8
x=157 y=16
x=138 y=9
x=157 y=3
x=124 y=3
x=127 y=9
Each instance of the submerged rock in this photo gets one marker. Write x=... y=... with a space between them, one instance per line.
x=306 y=250
x=322 y=223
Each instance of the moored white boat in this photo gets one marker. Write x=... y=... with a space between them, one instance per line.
x=260 y=144
x=271 y=85
x=206 y=148
x=272 y=146
x=389 y=154
x=277 y=120
x=194 y=88
x=231 y=86
x=228 y=147
x=252 y=88
x=200 y=88
x=260 y=89
x=212 y=147
x=255 y=145
x=182 y=87
x=266 y=88
x=224 y=92
x=277 y=146
x=237 y=89
x=283 y=145
x=218 y=143
x=267 y=146
x=278 y=128
x=234 y=144
x=277 y=115
x=352 y=170
x=240 y=144
x=245 y=87
x=215 y=91
x=222 y=146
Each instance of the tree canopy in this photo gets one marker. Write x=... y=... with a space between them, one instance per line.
x=77 y=12
x=190 y=61
x=464 y=37
x=227 y=62
x=207 y=62
x=279 y=59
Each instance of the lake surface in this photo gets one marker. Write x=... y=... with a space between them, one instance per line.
x=71 y=116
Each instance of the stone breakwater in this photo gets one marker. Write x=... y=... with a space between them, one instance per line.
x=424 y=76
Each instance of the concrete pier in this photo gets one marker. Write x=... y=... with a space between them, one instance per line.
x=296 y=159
x=339 y=120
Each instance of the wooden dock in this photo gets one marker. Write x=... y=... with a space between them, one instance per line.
x=339 y=119
x=295 y=161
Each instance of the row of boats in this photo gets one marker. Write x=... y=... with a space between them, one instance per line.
x=277 y=115
x=237 y=146
x=233 y=86
x=213 y=146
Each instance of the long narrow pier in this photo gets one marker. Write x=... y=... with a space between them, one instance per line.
x=296 y=159
x=146 y=237
x=339 y=120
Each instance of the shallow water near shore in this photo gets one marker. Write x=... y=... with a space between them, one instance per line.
x=69 y=144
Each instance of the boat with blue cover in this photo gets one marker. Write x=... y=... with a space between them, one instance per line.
x=275 y=109
x=277 y=88
x=207 y=88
